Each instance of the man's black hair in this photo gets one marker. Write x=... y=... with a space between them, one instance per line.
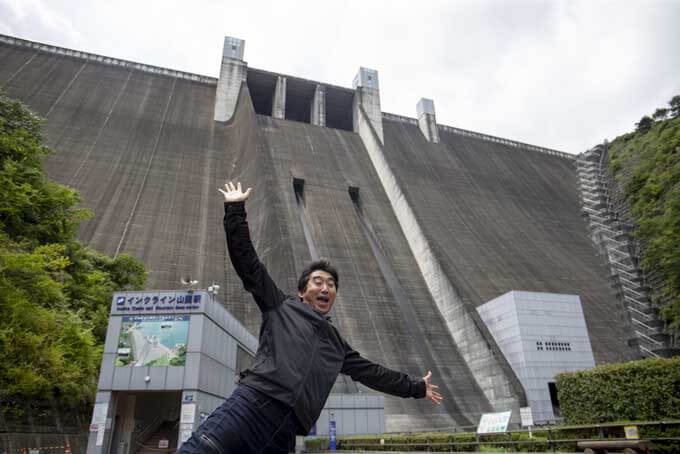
x=323 y=265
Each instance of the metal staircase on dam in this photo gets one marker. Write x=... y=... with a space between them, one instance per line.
x=598 y=208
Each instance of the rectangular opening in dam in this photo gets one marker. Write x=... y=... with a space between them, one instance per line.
x=261 y=85
x=299 y=97
x=339 y=108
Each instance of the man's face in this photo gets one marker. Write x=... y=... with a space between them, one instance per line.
x=320 y=291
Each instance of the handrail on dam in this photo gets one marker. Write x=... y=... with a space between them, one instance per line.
x=487 y=137
x=47 y=48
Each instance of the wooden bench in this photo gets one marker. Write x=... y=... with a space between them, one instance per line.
x=607 y=446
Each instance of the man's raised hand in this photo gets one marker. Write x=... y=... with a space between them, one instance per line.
x=235 y=193
x=430 y=392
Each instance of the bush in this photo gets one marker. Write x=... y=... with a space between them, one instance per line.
x=316 y=444
x=55 y=292
x=646 y=165
x=646 y=390
x=542 y=440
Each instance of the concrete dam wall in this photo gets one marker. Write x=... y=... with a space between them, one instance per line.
x=143 y=148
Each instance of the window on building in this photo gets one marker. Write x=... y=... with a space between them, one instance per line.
x=552 y=387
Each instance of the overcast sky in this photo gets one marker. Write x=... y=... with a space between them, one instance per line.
x=560 y=74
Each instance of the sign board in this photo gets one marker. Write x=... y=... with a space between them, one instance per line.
x=491 y=423
x=163 y=444
x=152 y=302
x=188 y=414
x=99 y=413
x=100 y=435
x=526 y=416
x=186 y=434
x=631 y=432
x=331 y=431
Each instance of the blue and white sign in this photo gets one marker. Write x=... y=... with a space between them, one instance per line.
x=152 y=302
x=331 y=431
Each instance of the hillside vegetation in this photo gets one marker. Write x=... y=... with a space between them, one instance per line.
x=55 y=292
x=646 y=163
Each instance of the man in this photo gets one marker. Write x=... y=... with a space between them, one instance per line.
x=299 y=357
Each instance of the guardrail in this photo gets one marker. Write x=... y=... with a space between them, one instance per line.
x=55 y=50
x=554 y=438
x=486 y=137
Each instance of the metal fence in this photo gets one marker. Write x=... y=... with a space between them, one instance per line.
x=544 y=439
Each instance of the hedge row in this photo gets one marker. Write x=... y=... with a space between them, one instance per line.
x=646 y=390
x=445 y=442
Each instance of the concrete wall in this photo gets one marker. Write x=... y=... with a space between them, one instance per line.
x=492 y=377
x=144 y=151
x=499 y=218
x=354 y=414
x=318 y=112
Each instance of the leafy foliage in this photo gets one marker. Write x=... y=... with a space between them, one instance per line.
x=647 y=166
x=660 y=114
x=54 y=292
x=644 y=124
x=542 y=439
x=675 y=105
x=647 y=390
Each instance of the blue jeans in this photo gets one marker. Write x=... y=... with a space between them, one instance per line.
x=248 y=422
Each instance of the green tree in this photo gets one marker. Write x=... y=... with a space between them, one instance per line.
x=660 y=114
x=647 y=167
x=32 y=209
x=675 y=106
x=44 y=347
x=644 y=124
x=55 y=293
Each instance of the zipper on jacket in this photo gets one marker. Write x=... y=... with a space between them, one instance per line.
x=211 y=444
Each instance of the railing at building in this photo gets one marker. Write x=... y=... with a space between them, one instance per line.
x=664 y=434
x=609 y=235
x=485 y=137
x=55 y=50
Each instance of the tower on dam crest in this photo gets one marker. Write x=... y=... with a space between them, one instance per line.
x=427 y=121
x=367 y=98
x=233 y=72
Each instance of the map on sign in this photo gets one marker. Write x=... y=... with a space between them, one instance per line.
x=153 y=340
x=491 y=423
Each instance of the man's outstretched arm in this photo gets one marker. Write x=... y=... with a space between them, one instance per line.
x=386 y=380
x=252 y=272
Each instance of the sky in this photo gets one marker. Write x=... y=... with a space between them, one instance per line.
x=560 y=74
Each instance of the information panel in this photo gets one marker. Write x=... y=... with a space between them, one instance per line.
x=153 y=340
x=491 y=423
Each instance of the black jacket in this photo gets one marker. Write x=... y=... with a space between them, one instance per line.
x=300 y=353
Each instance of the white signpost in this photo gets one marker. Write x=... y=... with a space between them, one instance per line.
x=527 y=419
